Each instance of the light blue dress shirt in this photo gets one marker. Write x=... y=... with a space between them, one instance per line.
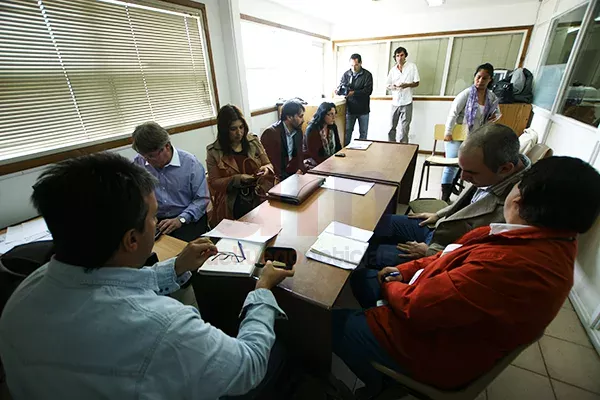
x=182 y=190
x=289 y=136
x=67 y=333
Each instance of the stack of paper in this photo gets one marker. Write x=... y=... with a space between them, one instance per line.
x=26 y=232
x=347 y=185
x=341 y=245
x=359 y=145
x=246 y=231
x=235 y=257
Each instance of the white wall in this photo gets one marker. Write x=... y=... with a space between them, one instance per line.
x=436 y=20
x=571 y=138
x=262 y=122
x=273 y=12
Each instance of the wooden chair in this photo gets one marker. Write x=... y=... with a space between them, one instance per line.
x=459 y=133
x=469 y=392
x=538 y=152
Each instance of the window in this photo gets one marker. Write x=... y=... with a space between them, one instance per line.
x=442 y=72
x=80 y=72
x=502 y=51
x=563 y=33
x=582 y=99
x=429 y=56
x=281 y=64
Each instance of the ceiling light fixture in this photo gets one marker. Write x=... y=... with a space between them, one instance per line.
x=435 y=3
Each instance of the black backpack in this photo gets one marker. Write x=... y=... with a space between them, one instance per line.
x=504 y=91
x=522 y=80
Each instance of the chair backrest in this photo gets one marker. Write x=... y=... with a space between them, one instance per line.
x=538 y=152
x=459 y=133
x=469 y=392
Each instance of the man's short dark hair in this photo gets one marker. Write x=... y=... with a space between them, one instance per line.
x=89 y=203
x=499 y=143
x=560 y=193
x=356 y=57
x=400 y=50
x=149 y=137
x=291 y=108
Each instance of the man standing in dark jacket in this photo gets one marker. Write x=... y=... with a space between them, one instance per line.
x=357 y=86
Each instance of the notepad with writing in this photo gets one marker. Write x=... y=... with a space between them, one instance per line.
x=337 y=247
x=233 y=260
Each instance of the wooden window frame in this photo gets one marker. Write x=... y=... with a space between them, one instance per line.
x=527 y=29
x=46 y=159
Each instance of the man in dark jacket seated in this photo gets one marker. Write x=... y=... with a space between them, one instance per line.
x=283 y=141
x=448 y=318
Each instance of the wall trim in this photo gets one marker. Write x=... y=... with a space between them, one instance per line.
x=80 y=151
x=584 y=317
x=257 y=20
x=261 y=111
x=528 y=28
x=417 y=98
x=428 y=152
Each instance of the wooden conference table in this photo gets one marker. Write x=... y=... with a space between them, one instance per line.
x=308 y=297
x=383 y=162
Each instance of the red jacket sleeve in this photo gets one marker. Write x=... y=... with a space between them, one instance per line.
x=410 y=268
x=448 y=299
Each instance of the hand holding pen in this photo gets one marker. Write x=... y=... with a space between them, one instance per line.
x=389 y=274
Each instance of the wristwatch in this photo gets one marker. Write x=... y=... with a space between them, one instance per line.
x=182 y=220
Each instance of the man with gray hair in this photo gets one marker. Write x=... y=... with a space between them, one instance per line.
x=182 y=190
x=491 y=162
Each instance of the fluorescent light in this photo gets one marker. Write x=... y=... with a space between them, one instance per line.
x=435 y=3
x=573 y=29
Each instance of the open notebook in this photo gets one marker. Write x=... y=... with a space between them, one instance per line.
x=233 y=260
x=341 y=245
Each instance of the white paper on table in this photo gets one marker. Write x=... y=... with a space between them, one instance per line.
x=339 y=247
x=349 y=231
x=218 y=265
x=6 y=247
x=2 y=237
x=359 y=145
x=328 y=260
x=248 y=231
x=347 y=185
x=34 y=230
x=14 y=234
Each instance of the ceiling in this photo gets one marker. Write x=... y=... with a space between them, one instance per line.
x=334 y=11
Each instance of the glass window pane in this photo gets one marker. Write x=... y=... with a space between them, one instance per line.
x=429 y=55
x=374 y=60
x=268 y=73
x=468 y=52
x=564 y=31
x=582 y=100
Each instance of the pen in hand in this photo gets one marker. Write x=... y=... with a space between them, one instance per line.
x=390 y=274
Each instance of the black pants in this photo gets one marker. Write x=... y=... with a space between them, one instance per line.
x=191 y=231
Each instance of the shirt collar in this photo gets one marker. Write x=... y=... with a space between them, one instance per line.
x=496 y=228
x=175 y=160
x=142 y=278
x=287 y=131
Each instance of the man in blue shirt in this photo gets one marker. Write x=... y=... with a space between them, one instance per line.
x=94 y=323
x=182 y=190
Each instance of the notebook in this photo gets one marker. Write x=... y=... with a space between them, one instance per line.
x=339 y=246
x=233 y=260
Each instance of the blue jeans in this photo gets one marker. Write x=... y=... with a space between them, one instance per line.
x=356 y=345
x=391 y=230
x=451 y=152
x=363 y=126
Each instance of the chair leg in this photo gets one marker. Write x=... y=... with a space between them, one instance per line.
x=427 y=181
x=421 y=181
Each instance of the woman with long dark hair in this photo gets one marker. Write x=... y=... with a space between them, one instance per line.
x=238 y=167
x=322 y=134
x=473 y=107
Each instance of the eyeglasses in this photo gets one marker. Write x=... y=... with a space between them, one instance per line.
x=226 y=255
x=154 y=155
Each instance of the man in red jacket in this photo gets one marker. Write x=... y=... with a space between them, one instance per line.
x=450 y=317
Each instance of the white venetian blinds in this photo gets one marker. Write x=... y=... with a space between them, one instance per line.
x=76 y=72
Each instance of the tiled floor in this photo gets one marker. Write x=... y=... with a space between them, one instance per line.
x=563 y=365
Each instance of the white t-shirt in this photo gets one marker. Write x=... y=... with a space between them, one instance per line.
x=409 y=74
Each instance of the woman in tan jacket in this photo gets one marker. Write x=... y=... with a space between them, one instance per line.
x=239 y=171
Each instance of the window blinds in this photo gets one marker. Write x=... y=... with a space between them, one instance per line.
x=76 y=72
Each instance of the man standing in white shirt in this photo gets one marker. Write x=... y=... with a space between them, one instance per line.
x=401 y=80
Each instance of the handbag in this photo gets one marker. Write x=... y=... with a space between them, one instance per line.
x=252 y=194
